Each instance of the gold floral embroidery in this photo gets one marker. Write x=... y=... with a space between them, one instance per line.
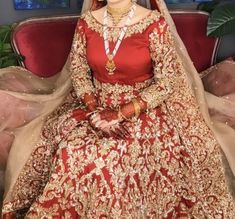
x=165 y=63
x=80 y=70
x=136 y=168
x=155 y=94
x=115 y=92
x=115 y=31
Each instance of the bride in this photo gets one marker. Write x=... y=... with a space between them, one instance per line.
x=132 y=139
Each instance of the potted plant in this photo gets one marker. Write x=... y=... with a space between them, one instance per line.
x=221 y=23
x=222 y=19
x=7 y=55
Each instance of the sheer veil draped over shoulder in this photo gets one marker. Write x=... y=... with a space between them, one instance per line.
x=31 y=100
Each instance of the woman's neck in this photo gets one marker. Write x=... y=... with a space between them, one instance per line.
x=119 y=4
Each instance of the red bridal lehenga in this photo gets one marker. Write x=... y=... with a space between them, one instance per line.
x=169 y=167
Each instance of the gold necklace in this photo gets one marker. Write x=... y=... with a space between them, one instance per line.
x=119 y=10
x=110 y=64
x=116 y=18
x=118 y=13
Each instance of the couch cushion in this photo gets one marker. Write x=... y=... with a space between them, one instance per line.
x=220 y=78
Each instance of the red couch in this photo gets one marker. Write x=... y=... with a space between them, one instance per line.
x=45 y=42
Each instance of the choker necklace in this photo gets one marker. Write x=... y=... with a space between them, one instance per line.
x=110 y=64
x=117 y=18
x=118 y=13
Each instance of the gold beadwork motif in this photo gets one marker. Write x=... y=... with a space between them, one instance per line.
x=79 y=68
x=166 y=66
x=123 y=160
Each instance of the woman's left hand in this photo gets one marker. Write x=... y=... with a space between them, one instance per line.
x=109 y=122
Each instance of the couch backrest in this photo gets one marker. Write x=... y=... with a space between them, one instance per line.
x=46 y=42
x=192 y=27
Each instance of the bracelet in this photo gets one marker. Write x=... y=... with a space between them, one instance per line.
x=136 y=107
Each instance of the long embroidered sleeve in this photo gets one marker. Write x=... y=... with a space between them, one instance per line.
x=166 y=65
x=80 y=70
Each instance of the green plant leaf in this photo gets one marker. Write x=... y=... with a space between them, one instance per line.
x=7 y=47
x=10 y=59
x=222 y=20
x=12 y=56
x=208 y=6
x=9 y=62
x=5 y=32
x=1 y=47
x=7 y=55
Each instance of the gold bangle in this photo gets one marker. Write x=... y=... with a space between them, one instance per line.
x=137 y=107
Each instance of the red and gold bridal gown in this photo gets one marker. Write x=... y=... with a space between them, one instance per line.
x=162 y=170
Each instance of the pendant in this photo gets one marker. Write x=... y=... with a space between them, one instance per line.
x=110 y=65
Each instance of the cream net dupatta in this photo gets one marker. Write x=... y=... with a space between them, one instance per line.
x=37 y=98
x=28 y=100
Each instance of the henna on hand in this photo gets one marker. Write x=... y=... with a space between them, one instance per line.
x=109 y=121
x=90 y=101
